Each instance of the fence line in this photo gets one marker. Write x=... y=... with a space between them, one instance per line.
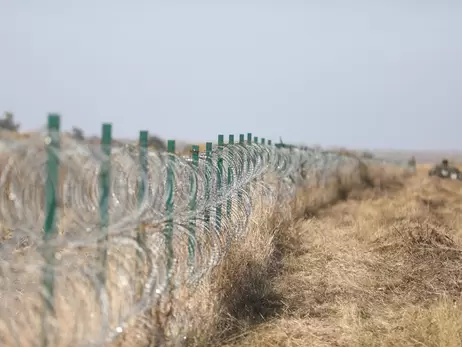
x=92 y=237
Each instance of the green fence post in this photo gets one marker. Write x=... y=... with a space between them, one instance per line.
x=143 y=158
x=219 y=182
x=208 y=180
x=249 y=159
x=168 y=232
x=269 y=149
x=104 y=187
x=255 y=140
x=264 y=153
x=51 y=192
x=230 y=173
x=242 y=143
x=143 y=174
x=192 y=205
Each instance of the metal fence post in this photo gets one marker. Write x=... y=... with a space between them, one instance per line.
x=208 y=181
x=104 y=187
x=242 y=165
x=142 y=189
x=219 y=183
x=249 y=159
x=192 y=205
x=51 y=204
x=168 y=232
x=230 y=173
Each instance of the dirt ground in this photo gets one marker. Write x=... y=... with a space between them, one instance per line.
x=379 y=269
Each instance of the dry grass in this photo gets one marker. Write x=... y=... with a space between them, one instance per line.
x=379 y=269
x=357 y=263
x=238 y=294
x=258 y=284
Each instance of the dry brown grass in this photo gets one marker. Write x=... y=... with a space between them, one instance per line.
x=238 y=294
x=340 y=266
x=256 y=287
x=380 y=269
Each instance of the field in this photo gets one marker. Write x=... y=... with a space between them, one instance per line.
x=366 y=254
x=382 y=268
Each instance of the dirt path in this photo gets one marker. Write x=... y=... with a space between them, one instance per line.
x=383 y=270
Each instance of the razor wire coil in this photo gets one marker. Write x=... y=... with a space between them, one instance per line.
x=168 y=237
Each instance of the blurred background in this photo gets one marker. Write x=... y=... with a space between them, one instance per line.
x=369 y=75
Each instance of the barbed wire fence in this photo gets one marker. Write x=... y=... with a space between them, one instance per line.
x=94 y=238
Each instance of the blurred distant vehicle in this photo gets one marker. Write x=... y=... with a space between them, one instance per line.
x=8 y=123
x=445 y=171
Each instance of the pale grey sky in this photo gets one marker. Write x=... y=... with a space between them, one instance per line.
x=375 y=74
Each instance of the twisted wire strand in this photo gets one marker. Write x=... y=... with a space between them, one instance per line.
x=153 y=255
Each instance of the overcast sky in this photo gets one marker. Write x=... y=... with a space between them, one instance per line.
x=368 y=74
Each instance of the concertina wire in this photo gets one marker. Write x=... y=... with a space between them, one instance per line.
x=139 y=272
